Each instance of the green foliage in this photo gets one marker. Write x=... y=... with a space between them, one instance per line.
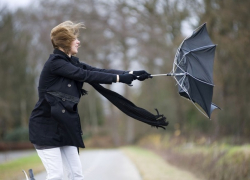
x=16 y=76
x=208 y=160
x=18 y=134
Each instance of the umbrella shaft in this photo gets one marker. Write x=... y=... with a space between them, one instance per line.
x=169 y=74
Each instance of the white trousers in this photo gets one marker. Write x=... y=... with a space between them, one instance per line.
x=55 y=158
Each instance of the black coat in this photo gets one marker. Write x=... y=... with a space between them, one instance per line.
x=55 y=120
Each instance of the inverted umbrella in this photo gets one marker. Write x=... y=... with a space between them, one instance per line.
x=193 y=69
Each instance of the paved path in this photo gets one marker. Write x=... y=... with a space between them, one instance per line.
x=12 y=155
x=109 y=164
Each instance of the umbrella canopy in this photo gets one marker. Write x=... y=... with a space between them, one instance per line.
x=193 y=69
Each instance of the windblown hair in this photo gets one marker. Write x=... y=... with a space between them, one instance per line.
x=63 y=34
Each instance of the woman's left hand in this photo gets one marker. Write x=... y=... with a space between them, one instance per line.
x=142 y=75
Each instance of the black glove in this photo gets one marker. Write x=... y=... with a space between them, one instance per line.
x=142 y=75
x=138 y=73
x=127 y=78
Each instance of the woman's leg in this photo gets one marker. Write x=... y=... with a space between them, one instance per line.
x=72 y=163
x=52 y=162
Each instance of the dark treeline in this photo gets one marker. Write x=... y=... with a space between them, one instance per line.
x=129 y=35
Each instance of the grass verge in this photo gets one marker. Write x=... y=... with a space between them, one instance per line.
x=217 y=160
x=151 y=166
x=13 y=170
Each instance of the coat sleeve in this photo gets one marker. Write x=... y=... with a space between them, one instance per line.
x=111 y=71
x=64 y=68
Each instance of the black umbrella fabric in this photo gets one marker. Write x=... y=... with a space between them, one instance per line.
x=193 y=69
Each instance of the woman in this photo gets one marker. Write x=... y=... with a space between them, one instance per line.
x=54 y=125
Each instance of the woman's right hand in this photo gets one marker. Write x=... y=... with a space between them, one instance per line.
x=126 y=78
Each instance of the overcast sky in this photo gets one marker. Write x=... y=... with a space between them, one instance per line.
x=14 y=4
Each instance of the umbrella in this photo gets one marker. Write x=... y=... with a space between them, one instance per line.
x=193 y=70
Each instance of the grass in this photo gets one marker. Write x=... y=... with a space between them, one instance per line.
x=151 y=166
x=13 y=170
x=216 y=160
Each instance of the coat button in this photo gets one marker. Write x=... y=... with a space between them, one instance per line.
x=63 y=99
x=69 y=85
x=63 y=111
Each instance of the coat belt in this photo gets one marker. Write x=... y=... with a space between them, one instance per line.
x=65 y=96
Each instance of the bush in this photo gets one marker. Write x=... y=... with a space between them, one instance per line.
x=215 y=161
x=19 y=134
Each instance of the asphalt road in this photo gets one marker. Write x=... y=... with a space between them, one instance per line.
x=109 y=164
x=12 y=155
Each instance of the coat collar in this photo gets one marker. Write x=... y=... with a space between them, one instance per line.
x=73 y=59
x=57 y=51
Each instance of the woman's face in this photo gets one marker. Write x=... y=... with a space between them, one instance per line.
x=74 y=47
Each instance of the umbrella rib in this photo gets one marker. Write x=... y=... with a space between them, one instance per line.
x=187 y=72
x=201 y=80
x=178 y=50
x=179 y=66
x=199 y=109
x=196 y=49
x=185 y=90
x=201 y=48
x=182 y=79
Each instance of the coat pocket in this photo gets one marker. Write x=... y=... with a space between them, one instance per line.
x=64 y=111
x=67 y=101
x=67 y=116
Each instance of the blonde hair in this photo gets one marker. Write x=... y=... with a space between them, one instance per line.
x=63 y=34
